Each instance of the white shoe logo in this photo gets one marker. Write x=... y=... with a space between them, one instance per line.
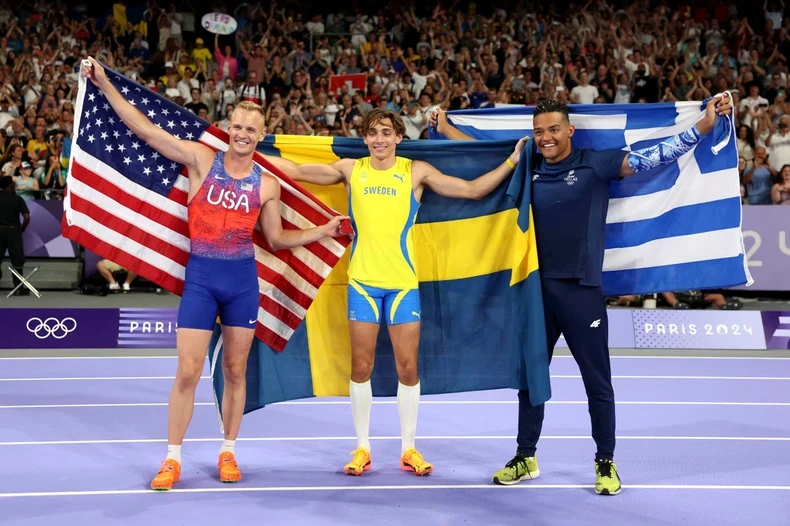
x=596 y=323
x=253 y=321
x=413 y=313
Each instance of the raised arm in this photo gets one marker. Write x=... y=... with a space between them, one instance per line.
x=438 y=118
x=449 y=186
x=185 y=152
x=671 y=149
x=272 y=226
x=325 y=174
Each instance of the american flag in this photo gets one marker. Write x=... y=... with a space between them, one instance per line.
x=128 y=203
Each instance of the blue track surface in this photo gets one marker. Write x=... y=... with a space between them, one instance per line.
x=700 y=441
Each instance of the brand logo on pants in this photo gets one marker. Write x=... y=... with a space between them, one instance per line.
x=53 y=327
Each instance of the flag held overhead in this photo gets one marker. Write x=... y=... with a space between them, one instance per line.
x=128 y=203
x=674 y=227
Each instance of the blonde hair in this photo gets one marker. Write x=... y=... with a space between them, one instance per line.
x=248 y=105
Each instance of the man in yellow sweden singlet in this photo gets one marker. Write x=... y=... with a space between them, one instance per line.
x=384 y=196
x=381 y=276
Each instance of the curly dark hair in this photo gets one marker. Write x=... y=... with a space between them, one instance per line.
x=552 y=106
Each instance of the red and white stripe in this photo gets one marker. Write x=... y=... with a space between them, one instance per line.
x=148 y=233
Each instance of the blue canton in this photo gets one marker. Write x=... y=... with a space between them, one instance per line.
x=104 y=136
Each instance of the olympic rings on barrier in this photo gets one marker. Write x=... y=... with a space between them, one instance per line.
x=51 y=327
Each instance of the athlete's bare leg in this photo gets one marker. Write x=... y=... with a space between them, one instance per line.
x=405 y=339
x=363 y=349
x=236 y=345
x=192 y=345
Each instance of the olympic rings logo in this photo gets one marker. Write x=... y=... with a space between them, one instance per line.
x=51 y=327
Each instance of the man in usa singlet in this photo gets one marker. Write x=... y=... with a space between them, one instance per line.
x=229 y=194
x=221 y=276
x=384 y=195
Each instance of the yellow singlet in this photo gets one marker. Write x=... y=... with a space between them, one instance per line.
x=383 y=209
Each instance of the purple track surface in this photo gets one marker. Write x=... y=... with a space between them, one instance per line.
x=700 y=441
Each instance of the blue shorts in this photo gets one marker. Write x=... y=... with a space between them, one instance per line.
x=219 y=286
x=368 y=303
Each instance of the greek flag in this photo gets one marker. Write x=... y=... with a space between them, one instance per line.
x=676 y=227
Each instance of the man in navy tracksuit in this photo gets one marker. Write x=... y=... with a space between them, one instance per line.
x=570 y=198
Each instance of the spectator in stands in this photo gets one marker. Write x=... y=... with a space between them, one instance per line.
x=251 y=89
x=227 y=96
x=188 y=82
x=746 y=143
x=201 y=55
x=778 y=142
x=108 y=269
x=17 y=131
x=37 y=146
x=227 y=64
x=584 y=93
x=172 y=91
x=52 y=177
x=780 y=193
x=8 y=112
x=752 y=106
x=758 y=178
x=414 y=120
x=595 y=53
x=26 y=185
x=12 y=160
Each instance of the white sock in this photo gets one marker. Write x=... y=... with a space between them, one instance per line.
x=229 y=446
x=361 y=402
x=174 y=452
x=408 y=404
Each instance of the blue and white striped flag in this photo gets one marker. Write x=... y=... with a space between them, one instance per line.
x=676 y=227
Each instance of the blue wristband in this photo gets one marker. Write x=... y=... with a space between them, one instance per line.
x=665 y=152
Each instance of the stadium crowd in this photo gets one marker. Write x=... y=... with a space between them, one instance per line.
x=318 y=72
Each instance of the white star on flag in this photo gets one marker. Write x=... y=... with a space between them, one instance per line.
x=116 y=208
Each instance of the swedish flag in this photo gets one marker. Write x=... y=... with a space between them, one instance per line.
x=476 y=261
